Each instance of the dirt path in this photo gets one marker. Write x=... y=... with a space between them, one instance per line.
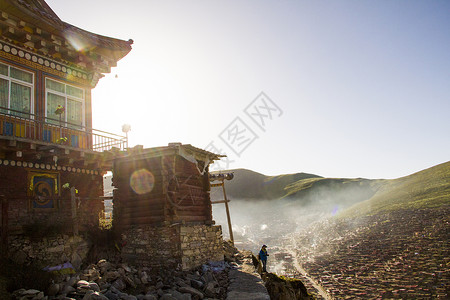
x=314 y=283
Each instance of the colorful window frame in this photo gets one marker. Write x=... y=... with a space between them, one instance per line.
x=73 y=100
x=16 y=91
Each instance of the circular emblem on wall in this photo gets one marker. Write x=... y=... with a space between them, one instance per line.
x=42 y=191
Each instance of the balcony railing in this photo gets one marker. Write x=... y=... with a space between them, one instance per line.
x=28 y=126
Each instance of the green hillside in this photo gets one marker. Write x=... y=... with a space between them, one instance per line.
x=429 y=188
x=248 y=184
x=395 y=245
x=299 y=189
x=344 y=191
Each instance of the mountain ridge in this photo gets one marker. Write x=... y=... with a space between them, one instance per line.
x=248 y=184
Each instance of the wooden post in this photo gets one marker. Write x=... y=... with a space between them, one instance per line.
x=230 y=229
x=73 y=204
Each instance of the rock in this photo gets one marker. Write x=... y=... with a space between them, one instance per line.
x=114 y=289
x=91 y=274
x=29 y=294
x=167 y=297
x=119 y=284
x=111 y=296
x=197 y=284
x=192 y=291
x=95 y=296
x=111 y=275
x=129 y=281
x=160 y=292
x=150 y=297
x=212 y=289
x=76 y=260
x=59 y=248
x=137 y=280
x=179 y=296
x=126 y=268
x=53 y=289
x=104 y=266
x=94 y=286
x=82 y=283
x=143 y=277
x=280 y=288
x=188 y=296
x=87 y=294
x=72 y=281
x=104 y=286
x=20 y=257
x=68 y=289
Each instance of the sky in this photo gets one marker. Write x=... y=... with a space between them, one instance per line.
x=333 y=88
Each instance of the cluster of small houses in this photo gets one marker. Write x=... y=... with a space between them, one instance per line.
x=52 y=161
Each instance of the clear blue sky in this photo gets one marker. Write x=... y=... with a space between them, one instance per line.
x=362 y=87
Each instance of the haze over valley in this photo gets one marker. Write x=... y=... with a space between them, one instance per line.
x=359 y=237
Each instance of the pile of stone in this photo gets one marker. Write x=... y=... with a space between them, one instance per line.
x=107 y=281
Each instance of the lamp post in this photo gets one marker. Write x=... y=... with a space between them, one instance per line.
x=126 y=128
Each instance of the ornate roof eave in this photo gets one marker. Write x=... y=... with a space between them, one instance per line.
x=185 y=150
x=32 y=24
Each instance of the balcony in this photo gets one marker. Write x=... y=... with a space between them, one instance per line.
x=31 y=128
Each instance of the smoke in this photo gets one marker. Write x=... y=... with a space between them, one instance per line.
x=279 y=223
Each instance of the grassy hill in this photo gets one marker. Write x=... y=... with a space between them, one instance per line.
x=251 y=185
x=396 y=244
x=429 y=188
x=299 y=188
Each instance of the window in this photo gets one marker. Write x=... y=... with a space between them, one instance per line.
x=70 y=97
x=16 y=91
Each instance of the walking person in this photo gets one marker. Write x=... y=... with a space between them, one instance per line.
x=263 y=257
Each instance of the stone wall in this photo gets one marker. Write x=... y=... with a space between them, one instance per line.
x=15 y=190
x=151 y=246
x=175 y=246
x=200 y=244
x=49 y=250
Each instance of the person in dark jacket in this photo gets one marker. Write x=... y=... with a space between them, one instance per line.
x=263 y=257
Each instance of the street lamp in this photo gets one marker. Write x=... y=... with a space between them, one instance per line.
x=126 y=128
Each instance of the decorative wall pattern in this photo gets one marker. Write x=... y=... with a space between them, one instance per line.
x=24 y=164
x=36 y=61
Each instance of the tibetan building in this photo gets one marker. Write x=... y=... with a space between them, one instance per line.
x=48 y=148
x=162 y=206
